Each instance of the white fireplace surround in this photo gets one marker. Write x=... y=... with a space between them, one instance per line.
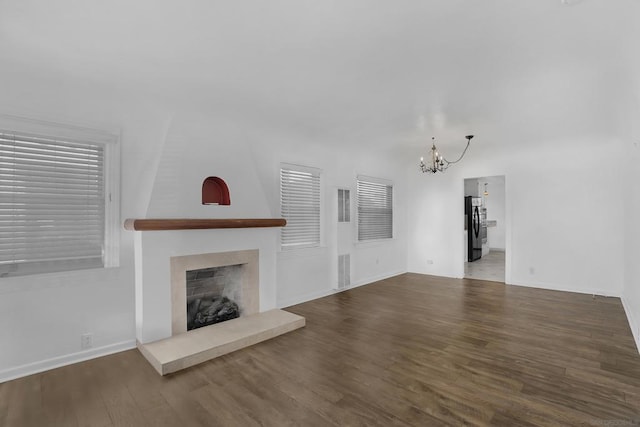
x=249 y=282
x=162 y=259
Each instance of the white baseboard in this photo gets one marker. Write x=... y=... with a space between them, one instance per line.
x=438 y=274
x=552 y=287
x=633 y=324
x=306 y=297
x=321 y=294
x=373 y=279
x=68 y=359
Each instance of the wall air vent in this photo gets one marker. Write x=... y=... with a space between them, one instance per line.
x=344 y=271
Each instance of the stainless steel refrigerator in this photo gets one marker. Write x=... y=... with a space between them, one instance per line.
x=476 y=228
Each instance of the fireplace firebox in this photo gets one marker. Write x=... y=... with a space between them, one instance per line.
x=213 y=288
x=213 y=295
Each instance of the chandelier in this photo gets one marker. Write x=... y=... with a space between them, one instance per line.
x=437 y=163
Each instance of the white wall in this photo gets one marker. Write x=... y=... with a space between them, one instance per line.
x=311 y=273
x=631 y=294
x=563 y=215
x=166 y=152
x=43 y=316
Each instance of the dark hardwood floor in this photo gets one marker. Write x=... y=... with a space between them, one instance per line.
x=411 y=350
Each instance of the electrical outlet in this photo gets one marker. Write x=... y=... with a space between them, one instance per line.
x=430 y=261
x=532 y=270
x=86 y=341
x=377 y=261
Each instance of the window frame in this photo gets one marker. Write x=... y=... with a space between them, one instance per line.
x=110 y=141
x=290 y=247
x=374 y=181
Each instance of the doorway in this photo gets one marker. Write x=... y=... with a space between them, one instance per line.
x=485 y=228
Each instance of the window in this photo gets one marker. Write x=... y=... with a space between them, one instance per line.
x=375 y=209
x=300 y=206
x=344 y=205
x=55 y=213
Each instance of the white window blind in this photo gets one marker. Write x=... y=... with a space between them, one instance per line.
x=300 y=206
x=52 y=204
x=375 y=209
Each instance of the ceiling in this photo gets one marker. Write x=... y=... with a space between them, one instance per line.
x=367 y=71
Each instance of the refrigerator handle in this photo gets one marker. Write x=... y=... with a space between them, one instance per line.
x=476 y=225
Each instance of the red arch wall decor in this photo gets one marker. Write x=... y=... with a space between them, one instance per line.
x=215 y=192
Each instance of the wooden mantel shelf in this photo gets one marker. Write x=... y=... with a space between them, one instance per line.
x=200 y=224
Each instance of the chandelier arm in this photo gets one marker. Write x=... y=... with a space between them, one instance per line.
x=461 y=156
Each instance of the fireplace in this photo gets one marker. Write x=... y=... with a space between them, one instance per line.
x=213 y=288
x=162 y=296
x=213 y=295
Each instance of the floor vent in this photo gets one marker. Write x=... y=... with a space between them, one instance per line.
x=344 y=271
